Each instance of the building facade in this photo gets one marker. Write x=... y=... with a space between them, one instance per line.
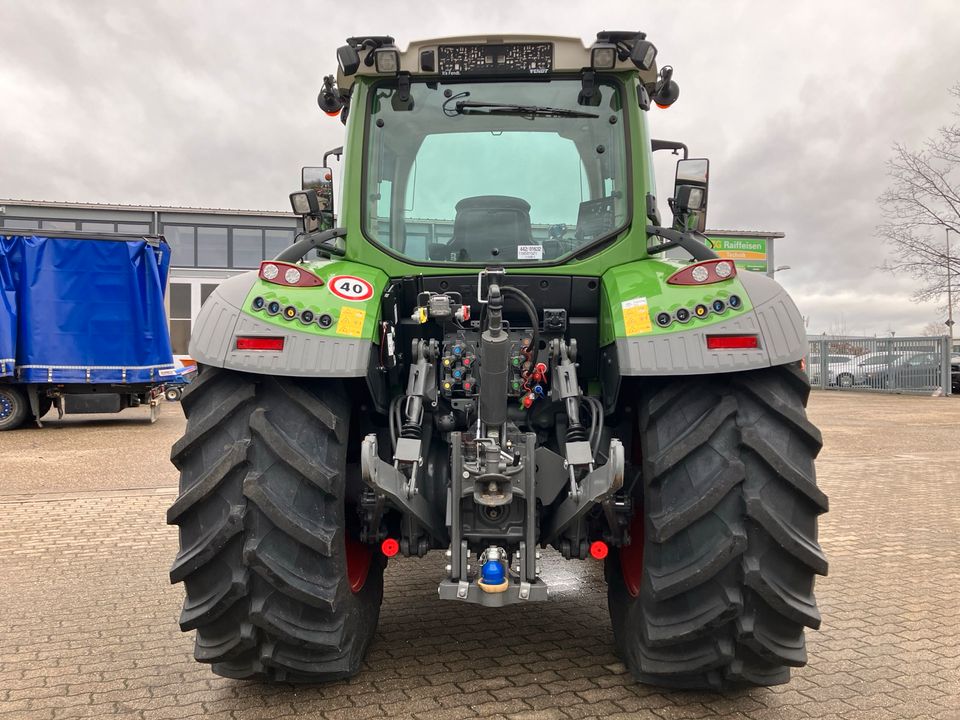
x=210 y=245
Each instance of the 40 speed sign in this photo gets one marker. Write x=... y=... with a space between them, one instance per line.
x=349 y=287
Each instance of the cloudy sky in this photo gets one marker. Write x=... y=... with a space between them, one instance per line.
x=213 y=104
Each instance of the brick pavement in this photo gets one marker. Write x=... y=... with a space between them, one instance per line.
x=89 y=620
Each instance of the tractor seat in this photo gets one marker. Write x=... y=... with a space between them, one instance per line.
x=487 y=228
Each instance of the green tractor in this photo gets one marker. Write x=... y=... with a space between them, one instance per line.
x=489 y=353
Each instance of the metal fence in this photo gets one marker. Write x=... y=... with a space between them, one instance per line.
x=923 y=365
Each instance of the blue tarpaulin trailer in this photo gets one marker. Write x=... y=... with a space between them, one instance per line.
x=82 y=323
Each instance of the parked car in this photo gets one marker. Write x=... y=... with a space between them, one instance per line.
x=955 y=374
x=835 y=363
x=855 y=373
x=918 y=371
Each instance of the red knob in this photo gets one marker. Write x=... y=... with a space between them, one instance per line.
x=599 y=549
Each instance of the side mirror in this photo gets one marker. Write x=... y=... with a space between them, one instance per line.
x=689 y=202
x=320 y=181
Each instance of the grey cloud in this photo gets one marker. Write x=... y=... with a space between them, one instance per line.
x=213 y=104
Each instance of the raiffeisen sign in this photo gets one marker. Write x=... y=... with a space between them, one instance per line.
x=749 y=250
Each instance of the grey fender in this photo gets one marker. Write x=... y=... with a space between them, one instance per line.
x=774 y=318
x=213 y=341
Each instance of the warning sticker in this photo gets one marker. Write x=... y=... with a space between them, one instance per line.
x=351 y=322
x=529 y=252
x=636 y=316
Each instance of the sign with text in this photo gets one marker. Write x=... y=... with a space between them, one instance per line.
x=748 y=253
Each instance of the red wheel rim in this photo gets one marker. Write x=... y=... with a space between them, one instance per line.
x=631 y=556
x=359 y=556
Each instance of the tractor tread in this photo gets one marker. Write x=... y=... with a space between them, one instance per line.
x=668 y=523
x=730 y=551
x=209 y=481
x=207 y=545
x=285 y=450
x=307 y=529
x=262 y=521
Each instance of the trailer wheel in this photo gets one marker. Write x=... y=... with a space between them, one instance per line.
x=14 y=408
x=173 y=394
x=716 y=588
x=277 y=585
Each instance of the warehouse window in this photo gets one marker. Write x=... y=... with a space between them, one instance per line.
x=183 y=243
x=277 y=240
x=58 y=225
x=247 y=247
x=134 y=228
x=98 y=227
x=211 y=246
x=18 y=224
x=180 y=307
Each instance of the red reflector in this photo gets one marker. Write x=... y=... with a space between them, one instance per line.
x=260 y=343
x=732 y=342
x=598 y=549
x=389 y=547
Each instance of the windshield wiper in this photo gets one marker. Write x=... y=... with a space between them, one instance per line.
x=471 y=107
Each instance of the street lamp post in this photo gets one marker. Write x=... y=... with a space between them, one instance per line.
x=949 y=292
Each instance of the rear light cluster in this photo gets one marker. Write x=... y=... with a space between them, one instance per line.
x=281 y=273
x=274 y=344
x=704 y=273
x=733 y=342
x=292 y=312
x=683 y=315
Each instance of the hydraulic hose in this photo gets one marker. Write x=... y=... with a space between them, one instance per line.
x=531 y=309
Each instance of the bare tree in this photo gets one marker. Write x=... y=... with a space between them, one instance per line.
x=920 y=206
x=934 y=329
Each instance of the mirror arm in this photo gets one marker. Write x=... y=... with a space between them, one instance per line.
x=311 y=241
x=689 y=241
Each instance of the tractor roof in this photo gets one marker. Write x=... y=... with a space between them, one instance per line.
x=471 y=56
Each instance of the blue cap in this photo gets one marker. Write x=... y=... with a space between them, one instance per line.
x=492 y=572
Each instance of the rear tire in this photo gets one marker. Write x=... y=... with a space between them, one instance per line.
x=14 y=408
x=721 y=589
x=276 y=586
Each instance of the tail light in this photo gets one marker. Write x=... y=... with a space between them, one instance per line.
x=260 y=343
x=281 y=273
x=704 y=273
x=732 y=342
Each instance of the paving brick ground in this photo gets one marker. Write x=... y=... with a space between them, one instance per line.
x=88 y=620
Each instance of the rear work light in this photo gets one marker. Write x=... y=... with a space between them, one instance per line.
x=704 y=273
x=281 y=273
x=733 y=342
x=260 y=343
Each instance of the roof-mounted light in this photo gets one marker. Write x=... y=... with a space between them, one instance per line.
x=387 y=60
x=348 y=59
x=603 y=56
x=643 y=54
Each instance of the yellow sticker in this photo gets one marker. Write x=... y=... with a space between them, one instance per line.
x=351 y=321
x=636 y=316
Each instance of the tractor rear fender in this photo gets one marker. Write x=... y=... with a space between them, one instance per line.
x=773 y=318
x=767 y=312
x=331 y=335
